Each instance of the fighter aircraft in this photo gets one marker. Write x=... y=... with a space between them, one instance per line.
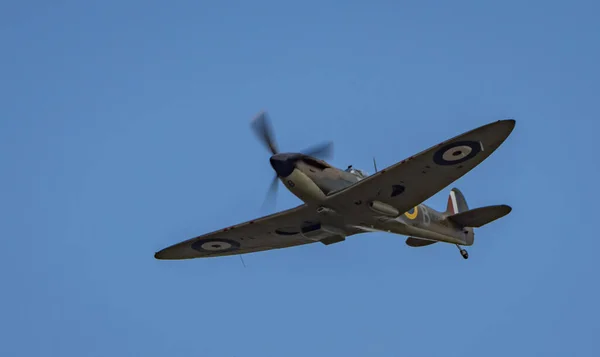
x=342 y=203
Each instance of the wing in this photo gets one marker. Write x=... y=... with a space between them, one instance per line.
x=412 y=181
x=280 y=230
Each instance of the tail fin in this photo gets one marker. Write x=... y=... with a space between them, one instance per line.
x=457 y=204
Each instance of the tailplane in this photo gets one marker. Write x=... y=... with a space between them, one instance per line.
x=459 y=213
x=479 y=217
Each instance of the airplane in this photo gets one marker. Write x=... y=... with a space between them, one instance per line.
x=339 y=203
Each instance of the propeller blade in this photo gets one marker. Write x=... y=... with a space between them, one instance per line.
x=271 y=196
x=321 y=151
x=263 y=129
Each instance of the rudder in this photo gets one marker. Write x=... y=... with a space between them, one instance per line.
x=457 y=204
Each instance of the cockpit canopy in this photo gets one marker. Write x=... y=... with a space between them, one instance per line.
x=359 y=173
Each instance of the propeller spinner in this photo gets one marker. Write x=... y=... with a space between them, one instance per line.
x=283 y=163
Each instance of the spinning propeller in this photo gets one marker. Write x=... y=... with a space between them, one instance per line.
x=284 y=163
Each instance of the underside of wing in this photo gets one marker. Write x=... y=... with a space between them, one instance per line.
x=293 y=227
x=416 y=242
x=412 y=181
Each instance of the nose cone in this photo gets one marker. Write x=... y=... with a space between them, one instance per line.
x=284 y=164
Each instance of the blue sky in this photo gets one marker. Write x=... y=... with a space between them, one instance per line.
x=124 y=128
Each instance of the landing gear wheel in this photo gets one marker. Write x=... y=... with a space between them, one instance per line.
x=463 y=252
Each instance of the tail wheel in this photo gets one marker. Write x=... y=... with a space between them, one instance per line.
x=463 y=252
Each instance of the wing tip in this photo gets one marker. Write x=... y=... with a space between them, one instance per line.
x=168 y=254
x=501 y=130
x=510 y=123
x=508 y=209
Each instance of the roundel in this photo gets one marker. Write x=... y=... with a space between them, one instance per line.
x=412 y=213
x=455 y=153
x=215 y=245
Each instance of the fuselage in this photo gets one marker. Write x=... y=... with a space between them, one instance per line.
x=313 y=180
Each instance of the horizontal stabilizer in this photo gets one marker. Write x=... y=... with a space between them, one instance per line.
x=479 y=217
x=416 y=242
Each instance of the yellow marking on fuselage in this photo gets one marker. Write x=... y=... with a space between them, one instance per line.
x=412 y=215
